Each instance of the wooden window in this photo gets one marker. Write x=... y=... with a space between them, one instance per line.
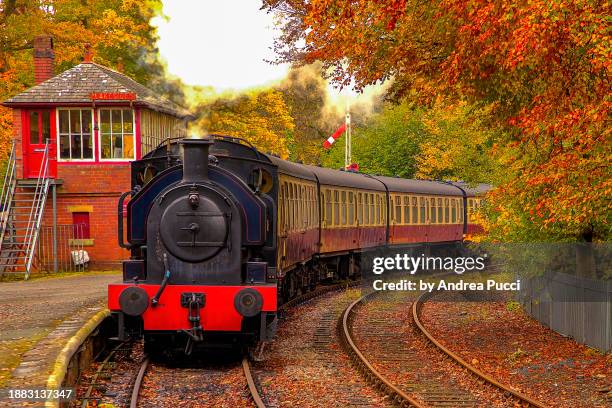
x=80 y=222
x=406 y=210
x=398 y=209
x=366 y=208
x=461 y=211
x=414 y=209
x=446 y=211
x=440 y=212
x=75 y=134
x=155 y=127
x=454 y=211
x=117 y=134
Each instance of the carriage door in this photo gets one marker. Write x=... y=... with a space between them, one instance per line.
x=39 y=127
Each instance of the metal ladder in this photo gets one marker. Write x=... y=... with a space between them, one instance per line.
x=23 y=203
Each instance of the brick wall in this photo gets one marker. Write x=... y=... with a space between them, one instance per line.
x=94 y=189
x=17 y=135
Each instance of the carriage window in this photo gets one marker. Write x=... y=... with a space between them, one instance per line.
x=351 y=208
x=310 y=207
x=282 y=206
x=336 y=207
x=398 y=210
x=377 y=209
x=328 y=207
x=440 y=211
x=366 y=209
x=433 y=210
x=359 y=208
x=296 y=190
x=415 y=211
x=290 y=206
x=454 y=211
x=406 y=210
x=302 y=215
x=343 y=195
x=422 y=210
x=446 y=211
x=383 y=203
x=461 y=211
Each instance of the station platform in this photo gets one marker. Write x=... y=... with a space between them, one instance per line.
x=41 y=319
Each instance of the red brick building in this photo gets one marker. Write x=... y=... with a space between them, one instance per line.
x=95 y=120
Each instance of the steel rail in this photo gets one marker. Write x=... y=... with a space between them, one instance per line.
x=416 y=311
x=138 y=383
x=364 y=365
x=255 y=395
x=87 y=397
x=246 y=367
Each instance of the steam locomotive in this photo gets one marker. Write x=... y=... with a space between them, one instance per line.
x=220 y=234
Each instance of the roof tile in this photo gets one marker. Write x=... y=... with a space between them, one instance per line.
x=76 y=84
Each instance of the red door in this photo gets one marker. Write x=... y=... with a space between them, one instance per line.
x=39 y=128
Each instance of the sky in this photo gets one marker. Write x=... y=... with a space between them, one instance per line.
x=225 y=44
x=218 y=43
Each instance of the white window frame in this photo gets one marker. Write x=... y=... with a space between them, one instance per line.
x=99 y=126
x=58 y=135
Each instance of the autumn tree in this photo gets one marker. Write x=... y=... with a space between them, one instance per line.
x=541 y=68
x=456 y=144
x=305 y=93
x=119 y=32
x=386 y=143
x=261 y=117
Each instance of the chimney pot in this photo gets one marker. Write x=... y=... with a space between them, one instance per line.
x=43 y=58
x=88 y=54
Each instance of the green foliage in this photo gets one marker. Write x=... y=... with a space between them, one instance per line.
x=386 y=144
x=443 y=142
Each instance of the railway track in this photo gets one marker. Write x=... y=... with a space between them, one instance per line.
x=400 y=372
x=249 y=378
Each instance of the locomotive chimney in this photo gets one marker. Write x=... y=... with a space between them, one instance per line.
x=195 y=158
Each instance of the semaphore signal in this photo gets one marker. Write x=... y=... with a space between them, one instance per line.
x=345 y=127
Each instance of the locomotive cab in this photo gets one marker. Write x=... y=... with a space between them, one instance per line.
x=196 y=232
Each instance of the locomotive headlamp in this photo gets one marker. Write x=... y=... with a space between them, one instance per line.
x=133 y=301
x=248 y=302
